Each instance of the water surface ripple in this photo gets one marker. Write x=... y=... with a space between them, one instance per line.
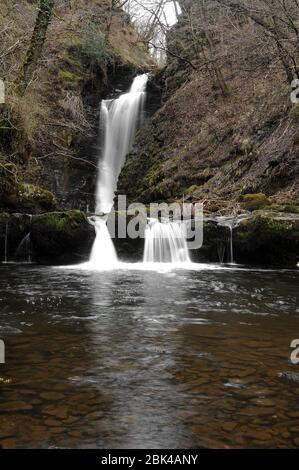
x=148 y=359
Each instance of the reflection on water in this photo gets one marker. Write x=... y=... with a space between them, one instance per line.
x=145 y=359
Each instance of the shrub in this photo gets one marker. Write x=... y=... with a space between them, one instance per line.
x=252 y=202
x=95 y=48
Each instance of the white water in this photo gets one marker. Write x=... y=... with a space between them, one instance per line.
x=119 y=120
x=165 y=243
x=103 y=253
x=24 y=248
x=231 y=223
x=5 y=243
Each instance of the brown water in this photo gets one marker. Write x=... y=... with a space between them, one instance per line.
x=142 y=359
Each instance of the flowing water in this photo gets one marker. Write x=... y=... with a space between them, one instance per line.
x=133 y=358
x=24 y=249
x=119 y=120
x=6 y=243
x=165 y=243
x=159 y=354
x=103 y=252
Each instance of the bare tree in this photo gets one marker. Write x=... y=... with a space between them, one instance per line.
x=153 y=21
x=278 y=21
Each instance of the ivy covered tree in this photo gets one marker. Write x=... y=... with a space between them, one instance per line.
x=35 y=48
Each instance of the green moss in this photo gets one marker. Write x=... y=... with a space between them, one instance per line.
x=292 y=209
x=68 y=79
x=192 y=189
x=22 y=197
x=95 y=48
x=141 y=178
x=65 y=222
x=287 y=208
x=252 y=202
x=61 y=234
x=32 y=195
x=8 y=179
x=294 y=113
x=264 y=239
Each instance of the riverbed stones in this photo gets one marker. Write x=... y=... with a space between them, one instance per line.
x=229 y=426
x=7 y=427
x=52 y=422
x=51 y=396
x=292 y=376
x=59 y=411
x=8 y=443
x=257 y=411
x=15 y=406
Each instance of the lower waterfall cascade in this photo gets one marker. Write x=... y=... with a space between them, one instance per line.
x=103 y=252
x=165 y=243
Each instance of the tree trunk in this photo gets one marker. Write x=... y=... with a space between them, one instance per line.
x=35 y=48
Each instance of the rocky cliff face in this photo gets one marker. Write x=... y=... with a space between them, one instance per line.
x=225 y=130
x=48 y=137
x=221 y=129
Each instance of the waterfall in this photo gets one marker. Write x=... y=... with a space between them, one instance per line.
x=165 y=243
x=119 y=120
x=230 y=223
x=231 y=246
x=24 y=249
x=103 y=252
x=221 y=252
x=5 y=242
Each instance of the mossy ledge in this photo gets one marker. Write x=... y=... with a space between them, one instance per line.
x=67 y=237
x=56 y=237
x=266 y=240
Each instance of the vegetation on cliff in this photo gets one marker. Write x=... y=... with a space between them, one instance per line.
x=57 y=60
x=227 y=127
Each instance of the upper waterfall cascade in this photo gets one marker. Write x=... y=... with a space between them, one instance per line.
x=119 y=120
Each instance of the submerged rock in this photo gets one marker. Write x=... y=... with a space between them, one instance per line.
x=292 y=376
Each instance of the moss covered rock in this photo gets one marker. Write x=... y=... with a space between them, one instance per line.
x=61 y=236
x=215 y=243
x=264 y=239
x=253 y=202
x=22 y=197
x=8 y=181
x=34 y=198
x=15 y=227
